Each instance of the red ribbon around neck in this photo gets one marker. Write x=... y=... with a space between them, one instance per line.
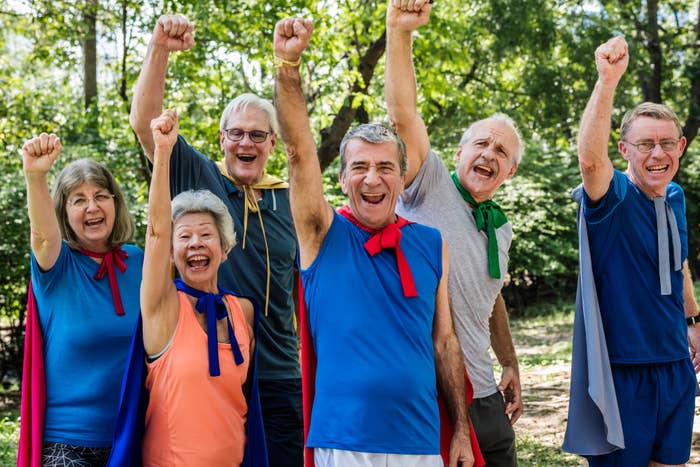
x=388 y=237
x=111 y=259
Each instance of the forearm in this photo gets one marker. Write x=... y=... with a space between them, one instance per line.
x=501 y=338
x=45 y=232
x=690 y=304
x=149 y=94
x=400 y=78
x=450 y=378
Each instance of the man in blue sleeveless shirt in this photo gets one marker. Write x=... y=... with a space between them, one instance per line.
x=375 y=289
x=638 y=245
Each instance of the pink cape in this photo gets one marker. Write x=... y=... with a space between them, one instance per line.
x=33 y=389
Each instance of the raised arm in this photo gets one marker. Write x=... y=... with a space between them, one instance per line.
x=691 y=309
x=502 y=345
x=159 y=302
x=400 y=79
x=450 y=371
x=38 y=156
x=611 y=61
x=312 y=214
x=172 y=32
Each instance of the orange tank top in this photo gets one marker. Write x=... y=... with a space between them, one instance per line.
x=194 y=419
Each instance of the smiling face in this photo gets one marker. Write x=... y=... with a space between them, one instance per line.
x=245 y=159
x=197 y=251
x=652 y=172
x=487 y=158
x=90 y=212
x=372 y=180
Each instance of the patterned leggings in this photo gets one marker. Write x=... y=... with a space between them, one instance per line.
x=65 y=455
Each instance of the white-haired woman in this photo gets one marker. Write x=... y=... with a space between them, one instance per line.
x=85 y=279
x=198 y=337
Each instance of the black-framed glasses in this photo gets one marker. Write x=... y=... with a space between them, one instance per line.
x=646 y=147
x=256 y=136
x=81 y=202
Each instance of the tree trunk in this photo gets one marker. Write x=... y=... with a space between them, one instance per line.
x=333 y=135
x=651 y=80
x=90 y=52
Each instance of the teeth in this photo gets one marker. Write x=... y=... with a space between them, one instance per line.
x=198 y=258
x=655 y=168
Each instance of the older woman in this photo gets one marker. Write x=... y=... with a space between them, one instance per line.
x=198 y=337
x=85 y=280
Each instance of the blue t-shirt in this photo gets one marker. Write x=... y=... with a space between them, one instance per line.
x=641 y=325
x=86 y=344
x=245 y=270
x=375 y=376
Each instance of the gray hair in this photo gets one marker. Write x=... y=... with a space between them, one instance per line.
x=651 y=110
x=204 y=201
x=87 y=170
x=501 y=118
x=375 y=134
x=246 y=101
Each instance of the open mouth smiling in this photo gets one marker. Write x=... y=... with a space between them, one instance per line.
x=198 y=262
x=246 y=157
x=484 y=170
x=657 y=168
x=372 y=198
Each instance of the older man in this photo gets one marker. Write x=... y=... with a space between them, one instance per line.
x=263 y=266
x=637 y=242
x=474 y=227
x=376 y=291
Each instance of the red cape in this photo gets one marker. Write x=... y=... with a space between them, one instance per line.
x=33 y=389
x=308 y=379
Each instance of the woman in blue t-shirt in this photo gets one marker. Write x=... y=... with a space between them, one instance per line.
x=85 y=279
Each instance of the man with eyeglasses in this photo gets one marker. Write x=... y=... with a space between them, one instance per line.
x=633 y=384
x=261 y=266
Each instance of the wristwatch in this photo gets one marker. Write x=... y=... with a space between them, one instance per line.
x=692 y=320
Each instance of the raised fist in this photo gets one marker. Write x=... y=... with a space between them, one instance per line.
x=611 y=59
x=291 y=38
x=164 y=130
x=407 y=15
x=40 y=153
x=173 y=32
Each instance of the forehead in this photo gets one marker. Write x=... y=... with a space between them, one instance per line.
x=651 y=128
x=498 y=131
x=194 y=219
x=360 y=151
x=87 y=187
x=248 y=119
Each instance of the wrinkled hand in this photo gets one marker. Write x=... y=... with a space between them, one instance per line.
x=510 y=387
x=611 y=60
x=694 y=345
x=292 y=36
x=173 y=32
x=40 y=153
x=407 y=15
x=461 y=454
x=165 y=129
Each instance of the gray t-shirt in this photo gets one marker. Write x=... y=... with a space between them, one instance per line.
x=432 y=199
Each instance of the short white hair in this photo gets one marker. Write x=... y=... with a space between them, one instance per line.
x=501 y=118
x=249 y=100
x=204 y=201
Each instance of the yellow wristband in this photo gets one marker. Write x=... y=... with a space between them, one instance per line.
x=280 y=62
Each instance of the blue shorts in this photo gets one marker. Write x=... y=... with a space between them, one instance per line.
x=657 y=405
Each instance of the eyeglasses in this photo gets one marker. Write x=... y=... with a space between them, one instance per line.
x=81 y=202
x=647 y=147
x=256 y=136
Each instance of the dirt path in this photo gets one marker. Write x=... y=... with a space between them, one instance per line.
x=544 y=350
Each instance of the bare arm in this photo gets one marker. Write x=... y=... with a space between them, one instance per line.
x=159 y=301
x=312 y=214
x=691 y=309
x=502 y=345
x=596 y=168
x=450 y=370
x=400 y=80
x=38 y=156
x=172 y=32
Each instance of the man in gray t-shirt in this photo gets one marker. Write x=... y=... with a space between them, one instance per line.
x=476 y=230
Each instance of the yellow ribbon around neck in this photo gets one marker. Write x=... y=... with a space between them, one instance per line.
x=266 y=182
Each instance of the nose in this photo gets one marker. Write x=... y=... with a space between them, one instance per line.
x=372 y=176
x=195 y=241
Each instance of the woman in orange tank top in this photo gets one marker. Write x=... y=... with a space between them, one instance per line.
x=199 y=339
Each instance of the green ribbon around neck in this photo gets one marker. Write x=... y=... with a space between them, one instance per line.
x=488 y=216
